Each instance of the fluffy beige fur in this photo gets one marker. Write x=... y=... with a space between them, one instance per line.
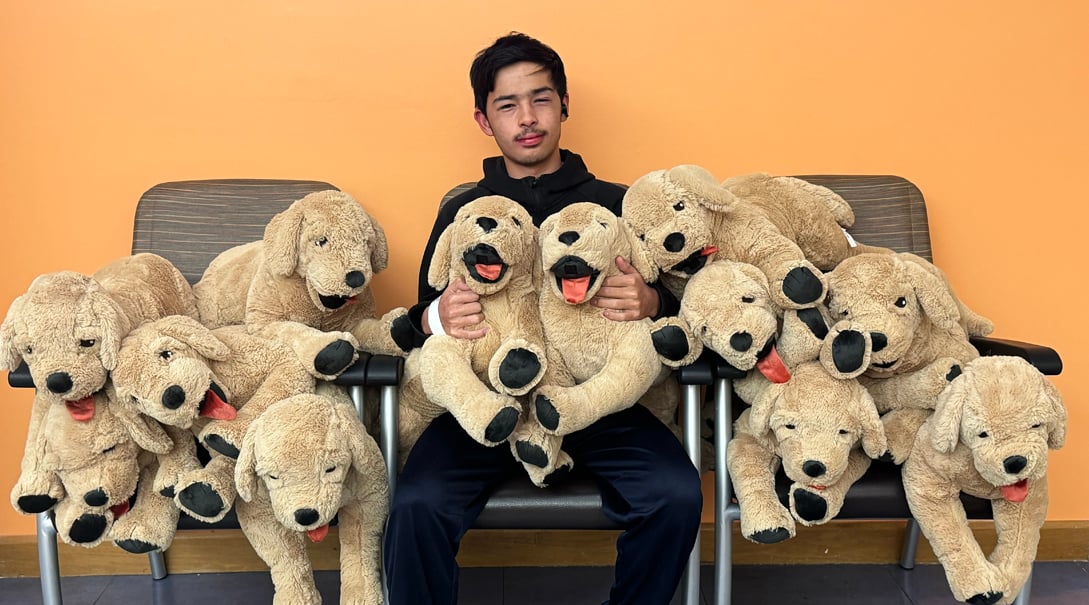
x=989 y=437
x=306 y=459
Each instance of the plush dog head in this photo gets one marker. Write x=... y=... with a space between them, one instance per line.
x=817 y=420
x=327 y=239
x=306 y=452
x=163 y=372
x=671 y=211
x=579 y=246
x=896 y=300
x=67 y=328
x=1008 y=414
x=491 y=240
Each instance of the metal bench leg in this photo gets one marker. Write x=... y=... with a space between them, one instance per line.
x=48 y=564
x=911 y=544
x=158 y=564
x=724 y=511
x=1023 y=598
x=692 y=402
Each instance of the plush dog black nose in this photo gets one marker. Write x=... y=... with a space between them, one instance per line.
x=569 y=237
x=674 y=242
x=58 y=382
x=880 y=341
x=354 y=279
x=487 y=224
x=96 y=497
x=306 y=516
x=173 y=397
x=813 y=468
x=741 y=341
x=1015 y=464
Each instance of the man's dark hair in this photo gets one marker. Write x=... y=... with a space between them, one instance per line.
x=510 y=49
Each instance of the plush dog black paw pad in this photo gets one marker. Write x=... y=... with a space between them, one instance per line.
x=770 y=536
x=557 y=475
x=849 y=351
x=87 y=528
x=201 y=499
x=813 y=320
x=809 y=506
x=403 y=334
x=801 y=286
x=887 y=457
x=546 y=413
x=334 y=358
x=221 y=445
x=502 y=425
x=167 y=491
x=987 y=598
x=531 y=453
x=96 y=497
x=670 y=342
x=136 y=547
x=37 y=503
x=953 y=373
x=519 y=368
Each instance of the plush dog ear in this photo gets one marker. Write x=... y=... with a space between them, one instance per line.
x=196 y=335
x=754 y=274
x=763 y=395
x=933 y=295
x=146 y=432
x=703 y=184
x=438 y=273
x=281 y=241
x=380 y=246
x=1056 y=425
x=874 y=442
x=245 y=473
x=949 y=412
x=9 y=357
x=113 y=325
x=640 y=256
x=351 y=429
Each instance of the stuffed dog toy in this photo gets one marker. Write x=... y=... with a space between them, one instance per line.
x=67 y=327
x=212 y=382
x=306 y=459
x=919 y=330
x=613 y=363
x=685 y=216
x=988 y=437
x=312 y=271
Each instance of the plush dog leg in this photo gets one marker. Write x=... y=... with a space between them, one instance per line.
x=208 y=493
x=37 y=488
x=752 y=470
x=362 y=522
x=283 y=550
x=813 y=506
x=79 y=525
x=539 y=451
x=324 y=354
x=176 y=463
x=901 y=427
x=674 y=342
x=1018 y=527
x=516 y=367
x=152 y=521
x=919 y=389
x=385 y=335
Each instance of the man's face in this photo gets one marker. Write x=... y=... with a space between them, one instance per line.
x=523 y=114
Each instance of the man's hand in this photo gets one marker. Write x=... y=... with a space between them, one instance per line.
x=626 y=297
x=460 y=312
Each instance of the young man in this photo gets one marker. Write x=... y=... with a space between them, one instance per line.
x=649 y=485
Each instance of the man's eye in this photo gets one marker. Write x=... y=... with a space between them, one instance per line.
x=678 y=206
x=901 y=302
x=87 y=342
x=166 y=355
x=321 y=241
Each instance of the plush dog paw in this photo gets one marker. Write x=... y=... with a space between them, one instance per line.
x=336 y=357
x=502 y=425
x=201 y=501
x=803 y=285
x=403 y=334
x=136 y=547
x=531 y=454
x=516 y=367
x=811 y=507
x=768 y=525
x=547 y=414
x=987 y=598
x=36 y=493
x=770 y=536
x=984 y=585
x=847 y=353
x=87 y=529
x=35 y=503
x=223 y=436
x=672 y=342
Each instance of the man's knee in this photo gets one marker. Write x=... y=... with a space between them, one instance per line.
x=679 y=492
x=416 y=500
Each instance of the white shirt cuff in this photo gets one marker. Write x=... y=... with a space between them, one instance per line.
x=433 y=320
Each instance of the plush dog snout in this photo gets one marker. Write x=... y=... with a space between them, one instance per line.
x=813 y=468
x=354 y=279
x=173 y=397
x=58 y=382
x=96 y=497
x=880 y=341
x=569 y=237
x=1015 y=464
x=674 y=242
x=741 y=341
x=486 y=223
x=306 y=516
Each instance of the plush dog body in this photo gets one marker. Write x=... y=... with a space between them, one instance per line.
x=306 y=459
x=988 y=437
x=311 y=271
x=612 y=363
x=67 y=327
x=685 y=216
x=184 y=375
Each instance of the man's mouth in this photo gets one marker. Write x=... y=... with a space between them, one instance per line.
x=530 y=139
x=574 y=278
x=484 y=264
x=695 y=261
x=335 y=302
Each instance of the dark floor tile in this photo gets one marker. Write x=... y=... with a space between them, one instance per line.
x=814 y=584
x=480 y=586
x=76 y=591
x=1053 y=583
x=567 y=585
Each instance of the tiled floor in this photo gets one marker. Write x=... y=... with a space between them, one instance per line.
x=1053 y=584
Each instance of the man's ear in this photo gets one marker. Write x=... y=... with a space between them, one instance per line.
x=438 y=273
x=245 y=476
x=482 y=121
x=949 y=412
x=565 y=108
x=281 y=241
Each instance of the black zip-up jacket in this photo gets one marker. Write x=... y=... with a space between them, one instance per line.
x=542 y=196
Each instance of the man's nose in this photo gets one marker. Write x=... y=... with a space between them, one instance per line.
x=527 y=115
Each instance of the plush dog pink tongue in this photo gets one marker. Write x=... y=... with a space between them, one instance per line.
x=574 y=289
x=120 y=509
x=214 y=407
x=771 y=366
x=318 y=533
x=82 y=410
x=489 y=272
x=1016 y=492
x=708 y=250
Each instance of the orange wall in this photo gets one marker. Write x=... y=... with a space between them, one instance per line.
x=981 y=103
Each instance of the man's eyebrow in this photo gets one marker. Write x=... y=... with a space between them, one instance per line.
x=532 y=93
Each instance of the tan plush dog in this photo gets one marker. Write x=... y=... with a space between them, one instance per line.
x=919 y=330
x=184 y=375
x=988 y=437
x=613 y=363
x=67 y=327
x=685 y=216
x=306 y=459
x=312 y=271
